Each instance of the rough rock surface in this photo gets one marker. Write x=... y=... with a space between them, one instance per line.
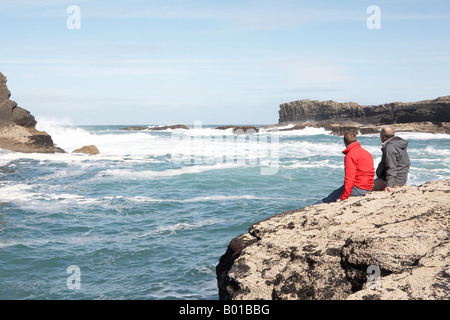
x=424 y=116
x=18 y=127
x=324 y=251
x=396 y=112
x=90 y=150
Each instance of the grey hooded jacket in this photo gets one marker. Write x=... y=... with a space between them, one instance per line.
x=394 y=165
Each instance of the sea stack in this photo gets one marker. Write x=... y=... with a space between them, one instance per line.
x=18 y=127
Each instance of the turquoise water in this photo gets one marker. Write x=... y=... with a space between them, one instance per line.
x=151 y=215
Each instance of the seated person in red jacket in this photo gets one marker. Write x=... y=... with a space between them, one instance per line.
x=359 y=171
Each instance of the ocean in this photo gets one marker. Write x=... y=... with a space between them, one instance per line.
x=151 y=215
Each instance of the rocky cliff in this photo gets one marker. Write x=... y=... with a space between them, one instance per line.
x=427 y=115
x=18 y=127
x=325 y=251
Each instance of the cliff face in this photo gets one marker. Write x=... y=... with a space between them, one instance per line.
x=434 y=111
x=324 y=251
x=18 y=127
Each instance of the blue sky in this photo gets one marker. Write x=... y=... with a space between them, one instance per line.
x=219 y=62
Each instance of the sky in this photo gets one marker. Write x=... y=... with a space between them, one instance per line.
x=163 y=62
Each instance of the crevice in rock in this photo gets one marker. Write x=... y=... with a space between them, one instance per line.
x=356 y=273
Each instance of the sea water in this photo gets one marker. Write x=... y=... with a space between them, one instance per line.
x=150 y=217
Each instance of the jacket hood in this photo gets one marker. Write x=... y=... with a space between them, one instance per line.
x=398 y=142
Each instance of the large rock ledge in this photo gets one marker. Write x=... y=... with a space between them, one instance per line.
x=437 y=110
x=423 y=116
x=324 y=251
x=18 y=127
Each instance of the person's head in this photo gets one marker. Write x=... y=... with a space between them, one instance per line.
x=349 y=138
x=386 y=133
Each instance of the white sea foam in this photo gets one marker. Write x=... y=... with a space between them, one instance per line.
x=5 y=157
x=148 y=174
x=123 y=237
x=311 y=164
x=213 y=198
x=16 y=193
x=308 y=131
x=439 y=152
x=308 y=149
x=75 y=240
x=171 y=229
x=423 y=136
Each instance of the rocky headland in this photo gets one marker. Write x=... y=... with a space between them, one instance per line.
x=18 y=127
x=325 y=252
x=431 y=116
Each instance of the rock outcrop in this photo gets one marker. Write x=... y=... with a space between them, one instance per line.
x=140 y=128
x=423 y=116
x=240 y=129
x=18 y=127
x=437 y=110
x=325 y=251
x=340 y=129
x=90 y=150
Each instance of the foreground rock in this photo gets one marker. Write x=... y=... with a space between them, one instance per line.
x=90 y=150
x=324 y=251
x=18 y=127
x=423 y=116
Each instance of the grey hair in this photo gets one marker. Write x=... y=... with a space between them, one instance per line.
x=387 y=132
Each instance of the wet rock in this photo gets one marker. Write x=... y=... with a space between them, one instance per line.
x=90 y=150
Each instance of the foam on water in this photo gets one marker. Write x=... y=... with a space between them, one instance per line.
x=309 y=164
x=417 y=136
x=16 y=192
x=189 y=226
x=148 y=174
x=215 y=198
x=308 y=131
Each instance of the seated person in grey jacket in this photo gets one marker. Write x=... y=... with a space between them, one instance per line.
x=394 y=166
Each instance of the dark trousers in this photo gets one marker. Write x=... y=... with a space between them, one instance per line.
x=336 y=194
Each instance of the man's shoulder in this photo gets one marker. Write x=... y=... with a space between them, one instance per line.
x=366 y=153
x=389 y=146
x=359 y=151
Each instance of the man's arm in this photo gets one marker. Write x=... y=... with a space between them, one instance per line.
x=350 y=176
x=380 y=167
x=390 y=164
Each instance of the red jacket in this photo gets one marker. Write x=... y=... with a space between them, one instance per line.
x=359 y=169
